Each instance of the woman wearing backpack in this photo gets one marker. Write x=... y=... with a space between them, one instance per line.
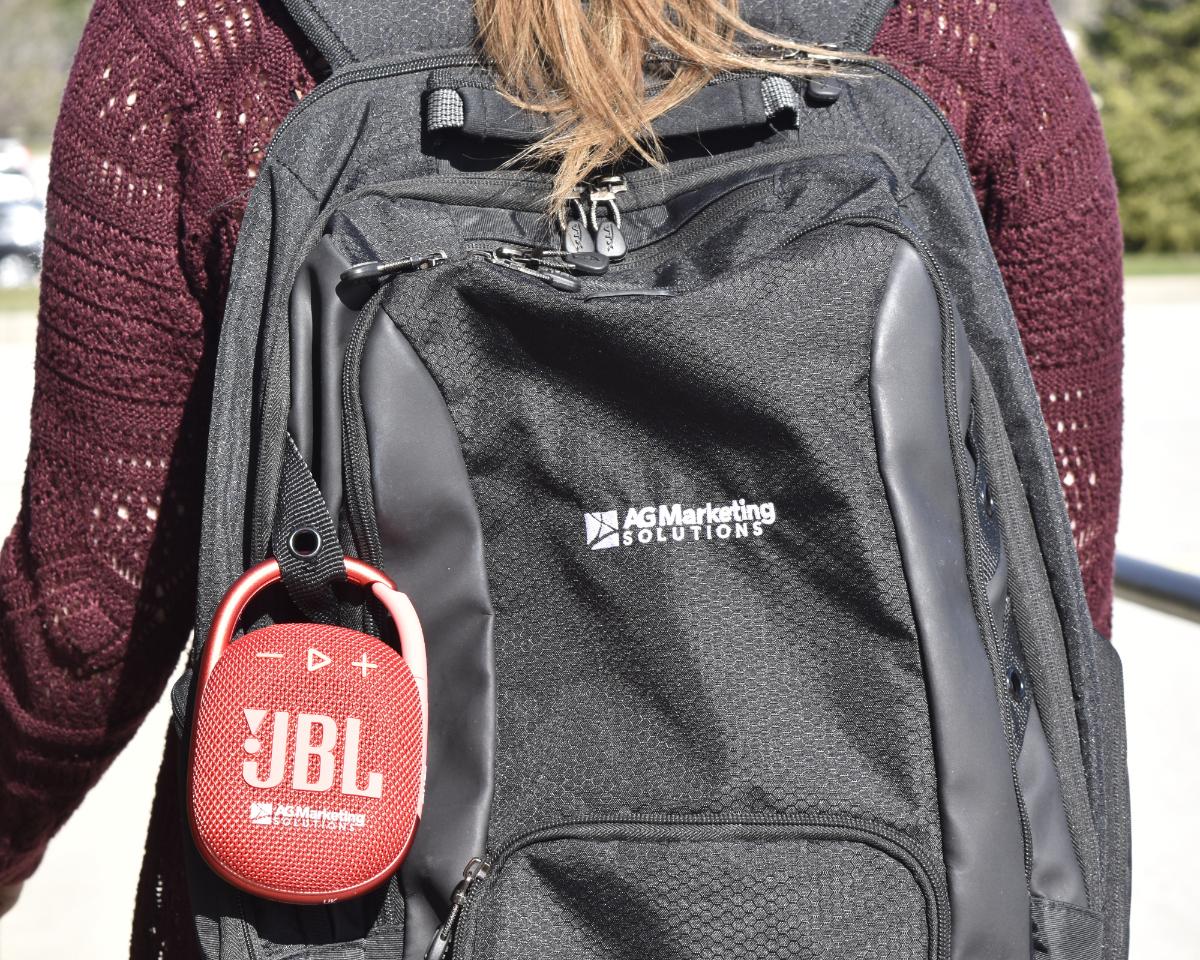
x=166 y=120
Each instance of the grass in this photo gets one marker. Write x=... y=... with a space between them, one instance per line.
x=18 y=300
x=1161 y=264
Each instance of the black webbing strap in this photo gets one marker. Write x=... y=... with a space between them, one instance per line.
x=734 y=104
x=305 y=542
x=1064 y=931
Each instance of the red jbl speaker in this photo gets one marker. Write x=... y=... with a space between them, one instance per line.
x=308 y=753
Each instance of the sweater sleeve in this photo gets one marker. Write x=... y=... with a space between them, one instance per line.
x=97 y=577
x=1003 y=74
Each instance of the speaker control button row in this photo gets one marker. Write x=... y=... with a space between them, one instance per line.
x=475 y=871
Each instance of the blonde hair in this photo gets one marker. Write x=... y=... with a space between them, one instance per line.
x=584 y=65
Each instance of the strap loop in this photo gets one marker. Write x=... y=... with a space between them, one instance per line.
x=729 y=104
x=305 y=541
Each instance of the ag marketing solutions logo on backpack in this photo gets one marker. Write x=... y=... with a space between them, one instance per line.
x=674 y=522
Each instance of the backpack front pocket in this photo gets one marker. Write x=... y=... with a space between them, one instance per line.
x=705 y=890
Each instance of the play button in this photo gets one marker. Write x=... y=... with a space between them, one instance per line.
x=317 y=660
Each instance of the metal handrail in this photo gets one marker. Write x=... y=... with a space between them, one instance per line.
x=1160 y=588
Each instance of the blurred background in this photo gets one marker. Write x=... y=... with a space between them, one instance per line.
x=1143 y=61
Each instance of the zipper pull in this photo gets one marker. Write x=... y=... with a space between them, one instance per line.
x=572 y=222
x=828 y=54
x=475 y=871
x=373 y=271
x=610 y=241
x=821 y=92
x=513 y=258
x=588 y=263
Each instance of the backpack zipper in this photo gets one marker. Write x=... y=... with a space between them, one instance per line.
x=372 y=271
x=589 y=264
x=510 y=260
x=477 y=869
x=819 y=827
x=577 y=254
x=466 y=189
x=554 y=267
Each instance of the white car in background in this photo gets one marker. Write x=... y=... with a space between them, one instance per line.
x=14 y=156
x=22 y=227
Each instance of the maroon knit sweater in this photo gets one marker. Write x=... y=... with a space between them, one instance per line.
x=169 y=109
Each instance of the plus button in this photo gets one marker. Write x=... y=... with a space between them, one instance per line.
x=364 y=664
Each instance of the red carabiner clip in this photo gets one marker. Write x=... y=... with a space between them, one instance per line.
x=309 y=747
x=268 y=573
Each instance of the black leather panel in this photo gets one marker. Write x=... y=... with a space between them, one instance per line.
x=981 y=828
x=321 y=322
x=433 y=548
x=1056 y=874
x=997 y=591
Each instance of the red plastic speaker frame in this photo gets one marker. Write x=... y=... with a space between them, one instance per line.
x=262 y=834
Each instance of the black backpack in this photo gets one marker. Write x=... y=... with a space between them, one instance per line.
x=755 y=623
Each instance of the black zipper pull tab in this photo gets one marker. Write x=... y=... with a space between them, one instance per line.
x=821 y=91
x=592 y=263
x=372 y=271
x=475 y=871
x=559 y=281
x=589 y=263
x=572 y=221
x=610 y=241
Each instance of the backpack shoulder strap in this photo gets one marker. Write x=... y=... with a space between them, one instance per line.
x=850 y=24
x=346 y=31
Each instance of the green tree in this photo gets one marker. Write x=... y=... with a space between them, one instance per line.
x=37 y=44
x=1144 y=63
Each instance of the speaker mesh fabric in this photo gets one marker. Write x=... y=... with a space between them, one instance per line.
x=306 y=842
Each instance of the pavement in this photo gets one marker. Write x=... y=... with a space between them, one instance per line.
x=79 y=903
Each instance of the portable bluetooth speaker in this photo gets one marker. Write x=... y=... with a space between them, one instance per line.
x=308 y=751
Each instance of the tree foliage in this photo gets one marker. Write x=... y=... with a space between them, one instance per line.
x=1144 y=64
x=37 y=43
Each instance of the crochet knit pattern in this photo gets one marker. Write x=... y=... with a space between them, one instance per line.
x=167 y=116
